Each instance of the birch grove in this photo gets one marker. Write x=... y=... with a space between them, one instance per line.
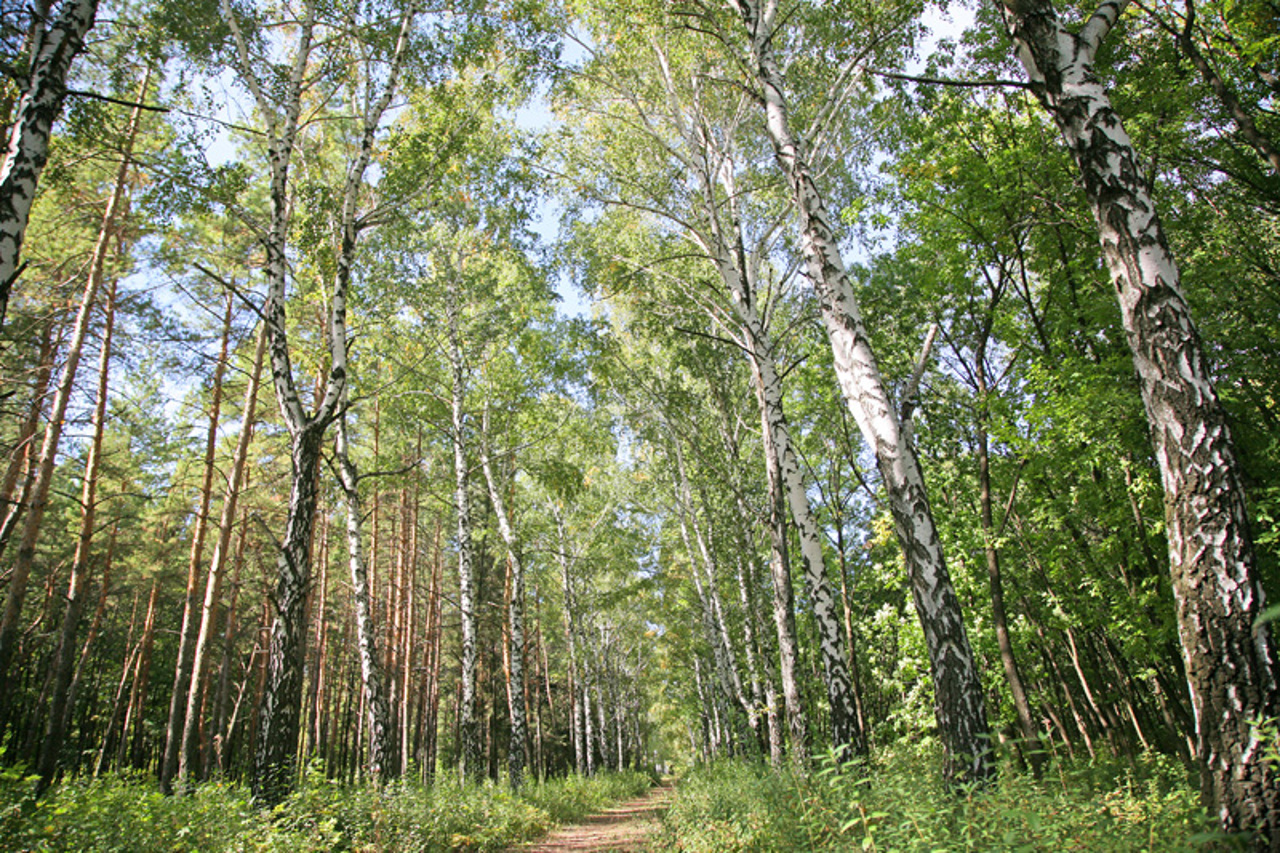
x=757 y=393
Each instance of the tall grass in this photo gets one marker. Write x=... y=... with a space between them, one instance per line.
x=128 y=814
x=901 y=804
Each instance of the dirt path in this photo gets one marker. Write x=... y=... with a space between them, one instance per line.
x=625 y=828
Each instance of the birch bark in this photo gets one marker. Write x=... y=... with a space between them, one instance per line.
x=280 y=107
x=1231 y=667
x=516 y=758
x=52 y=53
x=959 y=704
x=382 y=765
x=472 y=768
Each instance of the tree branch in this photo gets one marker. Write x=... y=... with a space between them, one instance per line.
x=94 y=96
x=949 y=81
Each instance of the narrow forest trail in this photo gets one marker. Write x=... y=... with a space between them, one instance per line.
x=627 y=827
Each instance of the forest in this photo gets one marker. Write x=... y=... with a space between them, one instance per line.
x=425 y=423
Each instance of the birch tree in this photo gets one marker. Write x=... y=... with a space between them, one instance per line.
x=1231 y=664
x=54 y=41
x=676 y=119
x=280 y=103
x=959 y=702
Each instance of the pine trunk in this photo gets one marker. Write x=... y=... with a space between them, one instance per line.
x=20 y=574
x=190 y=759
x=180 y=699
x=81 y=567
x=20 y=462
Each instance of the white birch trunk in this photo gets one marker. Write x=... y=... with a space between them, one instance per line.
x=472 y=768
x=959 y=704
x=280 y=715
x=1231 y=667
x=382 y=764
x=52 y=53
x=516 y=758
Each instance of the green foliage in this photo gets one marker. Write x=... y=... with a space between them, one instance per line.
x=128 y=813
x=571 y=798
x=900 y=804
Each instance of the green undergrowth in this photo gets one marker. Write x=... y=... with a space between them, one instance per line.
x=130 y=815
x=901 y=804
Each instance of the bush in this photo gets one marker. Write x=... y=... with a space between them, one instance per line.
x=130 y=815
x=900 y=804
x=571 y=798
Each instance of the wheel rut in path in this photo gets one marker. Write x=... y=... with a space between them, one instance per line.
x=626 y=828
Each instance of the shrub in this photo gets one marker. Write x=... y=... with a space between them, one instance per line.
x=900 y=804
x=130 y=815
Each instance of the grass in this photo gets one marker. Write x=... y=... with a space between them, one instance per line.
x=900 y=804
x=128 y=814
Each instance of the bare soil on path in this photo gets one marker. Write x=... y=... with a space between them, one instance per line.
x=626 y=828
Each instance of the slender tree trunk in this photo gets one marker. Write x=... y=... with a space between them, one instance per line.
x=407 y=645
x=469 y=732
x=280 y=715
x=189 y=763
x=25 y=556
x=119 y=703
x=435 y=635
x=52 y=52
x=218 y=729
x=990 y=535
x=577 y=724
x=20 y=463
x=784 y=618
x=959 y=703
x=382 y=764
x=517 y=753
x=1231 y=668
x=131 y=744
x=831 y=638
x=180 y=700
x=81 y=567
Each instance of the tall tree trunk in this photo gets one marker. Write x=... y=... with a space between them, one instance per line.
x=407 y=644
x=25 y=556
x=180 y=699
x=784 y=617
x=832 y=641
x=131 y=744
x=20 y=463
x=219 y=729
x=468 y=724
x=382 y=763
x=52 y=52
x=1231 y=667
x=990 y=535
x=81 y=567
x=280 y=711
x=517 y=753
x=122 y=692
x=189 y=761
x=959 y=703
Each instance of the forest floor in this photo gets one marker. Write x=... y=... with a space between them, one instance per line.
x=625 y=828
